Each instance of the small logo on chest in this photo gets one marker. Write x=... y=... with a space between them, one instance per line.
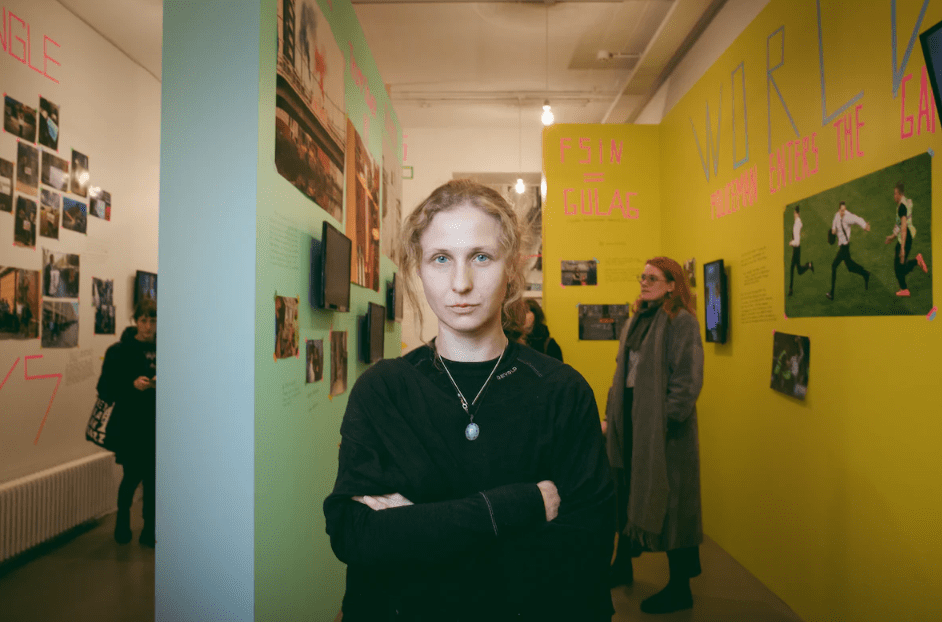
x=507 y=373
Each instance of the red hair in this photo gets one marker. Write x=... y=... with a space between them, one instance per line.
x=681 y=297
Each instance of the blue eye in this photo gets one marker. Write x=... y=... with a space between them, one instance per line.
x=481 y=257
x=440 y=259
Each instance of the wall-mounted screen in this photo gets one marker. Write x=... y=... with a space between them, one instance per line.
x=394 y=299
x=330 y=270
x=931 y=41
x=717 y=301
x=145 y=286
x=372 y=326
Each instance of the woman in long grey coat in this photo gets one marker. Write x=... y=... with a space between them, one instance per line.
x=652 y=437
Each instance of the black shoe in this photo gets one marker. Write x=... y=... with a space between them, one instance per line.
x=671 y=598
x=829 y=295
x=147 y=535
x=867 y=281
x=621 y=573
x=122 y=527
x=811 y=266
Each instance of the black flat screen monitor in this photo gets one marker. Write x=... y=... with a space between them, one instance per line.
x=145 y=286
x=372 y=327
x=931 y=41
x=330 y=270
x=394 y=299
x=717 y=301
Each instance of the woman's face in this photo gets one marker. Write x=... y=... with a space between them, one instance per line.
x=463 y=270
x=146 y=328
x=654 y=286
x=528 y=323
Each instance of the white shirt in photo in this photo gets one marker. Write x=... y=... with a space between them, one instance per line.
x=841 y=226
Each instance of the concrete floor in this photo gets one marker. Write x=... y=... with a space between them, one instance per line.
x=87 y=576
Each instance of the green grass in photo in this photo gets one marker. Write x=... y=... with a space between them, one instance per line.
x=871 y=198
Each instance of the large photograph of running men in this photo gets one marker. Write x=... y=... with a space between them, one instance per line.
x=864 y=247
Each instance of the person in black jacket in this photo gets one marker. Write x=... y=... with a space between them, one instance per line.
x=129 y=380
x=473 y=483
x=538 y=336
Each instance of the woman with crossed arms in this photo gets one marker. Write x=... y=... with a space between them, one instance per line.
x=473 y=482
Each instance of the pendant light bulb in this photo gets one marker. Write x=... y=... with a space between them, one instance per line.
x=547 y=116
x=520 y=187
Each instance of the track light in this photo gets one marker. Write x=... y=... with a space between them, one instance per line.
x=520 y=187
x=547 y=117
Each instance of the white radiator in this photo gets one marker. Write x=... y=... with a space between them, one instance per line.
x=38 y=507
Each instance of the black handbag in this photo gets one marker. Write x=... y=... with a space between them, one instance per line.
x=832 y=237
x=96 y=430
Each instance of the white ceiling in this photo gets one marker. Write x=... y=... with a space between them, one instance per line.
x=468 y=64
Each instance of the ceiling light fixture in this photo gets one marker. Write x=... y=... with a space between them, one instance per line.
x=520 y=187
x=547 y=117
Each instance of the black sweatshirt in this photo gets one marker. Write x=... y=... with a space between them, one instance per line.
x=476 y=544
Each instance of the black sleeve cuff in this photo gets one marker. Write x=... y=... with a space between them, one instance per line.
x=515 y=506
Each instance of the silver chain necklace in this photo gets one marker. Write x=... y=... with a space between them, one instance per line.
x=472 y=431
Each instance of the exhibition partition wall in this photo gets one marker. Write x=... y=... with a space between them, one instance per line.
x=279 y=104
x=828 y=500
x=79 y=183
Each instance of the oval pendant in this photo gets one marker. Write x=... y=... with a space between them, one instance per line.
x=471 y=432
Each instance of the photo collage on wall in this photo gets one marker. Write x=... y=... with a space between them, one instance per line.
x=310 y=110
x=319 y=151
x=45 y=192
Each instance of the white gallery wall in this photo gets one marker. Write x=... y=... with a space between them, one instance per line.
x=109 y=110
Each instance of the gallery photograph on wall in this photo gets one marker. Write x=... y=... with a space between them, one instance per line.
x=310 y=111
x=864 y=247
x=791 y=356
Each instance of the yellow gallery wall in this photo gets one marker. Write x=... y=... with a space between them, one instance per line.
x=833 y=502
x=607 y=177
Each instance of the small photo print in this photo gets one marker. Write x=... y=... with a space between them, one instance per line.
x=338 y=363
x=99 y=203
x=580 y=272
x=24 y=223
x=80 y=175
x=55 y=172
x=6 y=185
x=602 y=322
x=286 y=327
x=790 y=357
x=103 y=301
x=74 y=215
x=315 y=361
x=48 y=124
x=60 y=275
x=50 y=206
x=19 y=303
x=27 y=169
x=19 y=119
x=60 y=324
